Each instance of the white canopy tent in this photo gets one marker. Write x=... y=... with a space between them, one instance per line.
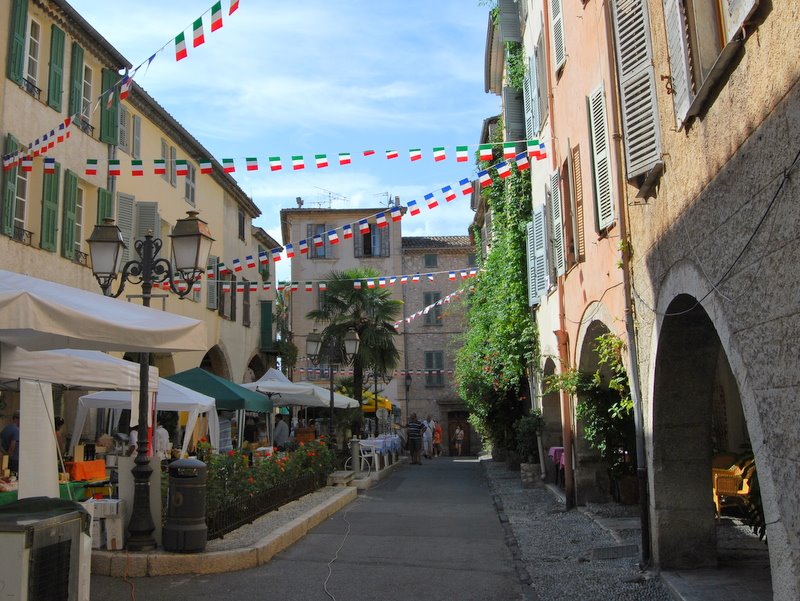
x=315 y=396
x=275 y=382
x=170 y=397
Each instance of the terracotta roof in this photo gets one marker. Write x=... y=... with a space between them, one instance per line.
x=436 y=242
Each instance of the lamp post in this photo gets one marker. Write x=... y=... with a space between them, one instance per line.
x=324 y=348
x=191 y=243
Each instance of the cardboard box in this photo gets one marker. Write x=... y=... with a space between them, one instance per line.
x=98 y=531
x=80 y=451
x=115 y=540
x=104 y=508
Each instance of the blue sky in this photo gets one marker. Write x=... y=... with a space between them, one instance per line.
x=283 y=78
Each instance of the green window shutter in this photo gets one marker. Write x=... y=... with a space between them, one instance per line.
x=76 y=80
x=9 y=189
x=55 y=82
x=16 y=40
x=50 y=209
x=267 y=339
x=601 y=159
x=109 y=117
x=105 y=204
x=559 y=259
x=637 y=84
x=68 y=215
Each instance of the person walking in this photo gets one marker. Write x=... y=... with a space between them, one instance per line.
x=459 y=438
x=9 y=441
x=437 y=439
x=414 y=439
x=281 y=433
x=427 y=438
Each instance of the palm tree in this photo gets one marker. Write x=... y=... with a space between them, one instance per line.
x=371 y=312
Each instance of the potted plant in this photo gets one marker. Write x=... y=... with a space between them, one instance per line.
x=527 y=429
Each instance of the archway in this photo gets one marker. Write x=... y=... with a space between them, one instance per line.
x=551 y=410
x=215 y=362
x=255 y=369
x=697 y=416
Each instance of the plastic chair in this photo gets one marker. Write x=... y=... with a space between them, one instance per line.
x=367 y=455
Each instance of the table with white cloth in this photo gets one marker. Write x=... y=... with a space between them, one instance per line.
x=385 y=445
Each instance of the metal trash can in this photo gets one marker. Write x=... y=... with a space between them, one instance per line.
x=185 y=530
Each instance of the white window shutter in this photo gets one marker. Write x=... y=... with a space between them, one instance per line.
x=513 y=114
x=125 y=204
x=637 y=86
x=736 y=14
x=677 y=44
x=601 y=160
x=533 y=298
x=559 y=259
x=559 y=41
x=531 y=96
x=540 y=251
x=527 y=101
x=508 y=20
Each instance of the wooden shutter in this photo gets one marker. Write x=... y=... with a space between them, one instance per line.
x=559 y=43
x=50 y=210
x=577 y=186
x=105 y=204
x=530 y=252
x=76 y=80
x=385 y=240
x=124 y=129
x=513 y=114
x=109 y=117
x=68 y=215
x=538 y=281
x=9 y=189
x=16 y=49
x=530 y=97
x=508 y=19
x=212 y=284
x=55 y=81
x=736 y=13
x=601 y=159
x=678 y=45
x=556 y=220
x=637 y=86
x=358 y=242
x=267 y=338
x=147 y=220
x=541 y=80
x=125 y=212
x=136 y=148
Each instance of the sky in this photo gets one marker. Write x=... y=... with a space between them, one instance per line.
x=321 y=77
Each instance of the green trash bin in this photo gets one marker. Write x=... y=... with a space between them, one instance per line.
x=185 y=530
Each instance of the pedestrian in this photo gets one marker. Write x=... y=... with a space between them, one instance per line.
x=459 y=438
x=161 y=442
x=414 y=439
x=427 y=438
x=9 y=442
x=133 y=439
x=437 y=439
x=59 y=423
x=281 y=433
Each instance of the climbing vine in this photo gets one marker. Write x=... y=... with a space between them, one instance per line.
x=515 y=65
x=500 y=340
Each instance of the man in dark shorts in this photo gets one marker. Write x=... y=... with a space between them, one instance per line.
x=415 y=429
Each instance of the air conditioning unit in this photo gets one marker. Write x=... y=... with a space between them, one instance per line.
x=46 y=550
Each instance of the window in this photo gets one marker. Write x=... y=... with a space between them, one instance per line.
x=538 y=273
x=472 y=260
x=557 y=29
x=75 y=104
x=49 y=230
x=135 y=220
x=164 y=153
x=601 y=159
x=109 y=115
x=55 y=79
x=431 y=260
x=189 y=183
x=263 y=268
x=124 y=129
x=433 y=315
x=86 y=100
x=34 y=41
x=637 y=85
x=316 y=233
x=576 y=197
x=534 y=91
x=556 y=224
x=374 y=243
x=434 y=365
x=173 y=156
x=212 y=283
x=136 y=142
x=227 y=300
x=321 y=299
x=79 y=198
x=20 y=202
x=567 y=215
x=246 y=304
x=17 y=43
x=701 y=40
x=242 y=221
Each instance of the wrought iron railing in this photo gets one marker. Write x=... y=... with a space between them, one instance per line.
x=244 y=509
x=22 y=235
x=85 y=126
x=31 y=88
x=81 y=258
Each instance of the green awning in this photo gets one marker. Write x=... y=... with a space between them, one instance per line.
x=228 y=395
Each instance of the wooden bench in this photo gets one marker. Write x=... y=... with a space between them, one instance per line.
x=732 y=485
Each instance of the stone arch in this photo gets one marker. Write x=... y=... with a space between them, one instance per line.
x=216 y=362
x=256 y=368
x=694 y=356
x=551 y=410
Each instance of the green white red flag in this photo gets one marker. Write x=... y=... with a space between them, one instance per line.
x=159 y=166
x=415 y=154
x=298 y=162
x=344 y=158
x=509 y=150
x=439 y=153
x=228 y=166
x=462 y=154
x=181 y=167
x=485 y=152
x=113 y=167
x=91 y=167
x=321 y=160
x=180 y=47
x=392 y=154
x=206 y=167
x=275 y=164
x=216 y=16
x=252 y=163
x=198 y=38
x=137 y=168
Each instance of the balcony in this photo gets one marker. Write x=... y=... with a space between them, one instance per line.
x=22 y=235
x=31 y=88
x=81 y=258
x=85 y=126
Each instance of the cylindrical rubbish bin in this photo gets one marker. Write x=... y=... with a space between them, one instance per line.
x=185 y=530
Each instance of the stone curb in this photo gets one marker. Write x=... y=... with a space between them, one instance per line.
x=120 y=564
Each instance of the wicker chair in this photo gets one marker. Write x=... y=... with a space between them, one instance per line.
x=732 y=485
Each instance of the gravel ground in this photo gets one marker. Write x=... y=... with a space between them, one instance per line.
x=556 y=549
x=250 y=534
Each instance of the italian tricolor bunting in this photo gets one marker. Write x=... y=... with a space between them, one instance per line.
x=181 y=167
x=113 y=167
x=275 y=164
x=485 y=152
x=228 y=166
x=137 y=168
x=91 y=167
x=344 y=158
x=509 y=150
x=180 y=47
x=159 y=167
x=462 y=154
x=216 y=16
x=234 y=6
x=415 y=154
x=298 y=162
x=252 y=163
x=198 y=37
x=392 y=154
x=321 y=160
x=439 y=153
x=206 y=167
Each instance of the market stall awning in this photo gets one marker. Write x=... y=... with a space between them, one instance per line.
x=369 y=405
x=274 y=382
x=226 y=394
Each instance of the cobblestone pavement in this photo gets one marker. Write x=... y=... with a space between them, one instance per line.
x=560 y=553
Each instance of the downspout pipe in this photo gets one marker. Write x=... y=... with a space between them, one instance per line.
x=633 y=354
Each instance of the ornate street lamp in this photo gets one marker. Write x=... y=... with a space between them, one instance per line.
x=191 y=243
x=323 y=348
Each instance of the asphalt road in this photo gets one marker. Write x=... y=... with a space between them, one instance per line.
x=425 y=533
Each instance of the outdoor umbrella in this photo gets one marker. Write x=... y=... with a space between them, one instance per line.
x=228 y=395
x=274 y=382
x=300 y=393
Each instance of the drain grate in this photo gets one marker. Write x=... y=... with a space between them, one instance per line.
x=615 y=552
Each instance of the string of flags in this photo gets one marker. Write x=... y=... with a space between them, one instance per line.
x=339 y=371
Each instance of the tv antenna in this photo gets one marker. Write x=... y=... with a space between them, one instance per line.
x=330 y=197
